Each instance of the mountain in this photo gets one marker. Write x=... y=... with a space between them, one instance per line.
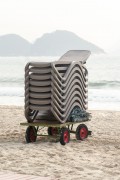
x=58 y=42
x=14 y=45
x=50 y=44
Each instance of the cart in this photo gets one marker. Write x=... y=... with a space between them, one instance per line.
x=61 y=132
x=56 y=97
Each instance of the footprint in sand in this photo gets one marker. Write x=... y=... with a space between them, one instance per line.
x=93 y=168
x=79 y=168
x=117 y=147
x=88 y=151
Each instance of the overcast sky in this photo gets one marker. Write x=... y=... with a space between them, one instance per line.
x=97 y=21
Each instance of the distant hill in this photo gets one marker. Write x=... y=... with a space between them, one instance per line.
x=14 y=45
x=58 y=42
x=50 y=44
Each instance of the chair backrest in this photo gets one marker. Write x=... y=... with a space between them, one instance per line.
x=76 y=55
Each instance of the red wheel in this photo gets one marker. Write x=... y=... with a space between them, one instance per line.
x=31 y=134
x=65 y=136
x=52 y=131
x=81 y=132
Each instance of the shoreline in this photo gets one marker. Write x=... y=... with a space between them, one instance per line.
x=22 y=107
x=98 y=99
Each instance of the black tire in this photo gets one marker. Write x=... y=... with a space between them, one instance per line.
x=65 y=136
x=31 y=134
x=52 y=131
x=81 y=132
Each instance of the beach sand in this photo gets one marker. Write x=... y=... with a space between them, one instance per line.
x=98 y=157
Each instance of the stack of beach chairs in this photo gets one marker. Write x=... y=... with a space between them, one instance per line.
x=57 y=87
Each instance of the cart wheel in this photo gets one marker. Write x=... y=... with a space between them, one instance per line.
x=81 y=132
x=65 y=136
x=31 y=134
x=52 y=131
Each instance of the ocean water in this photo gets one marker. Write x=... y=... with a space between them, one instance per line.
x=104 y=80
